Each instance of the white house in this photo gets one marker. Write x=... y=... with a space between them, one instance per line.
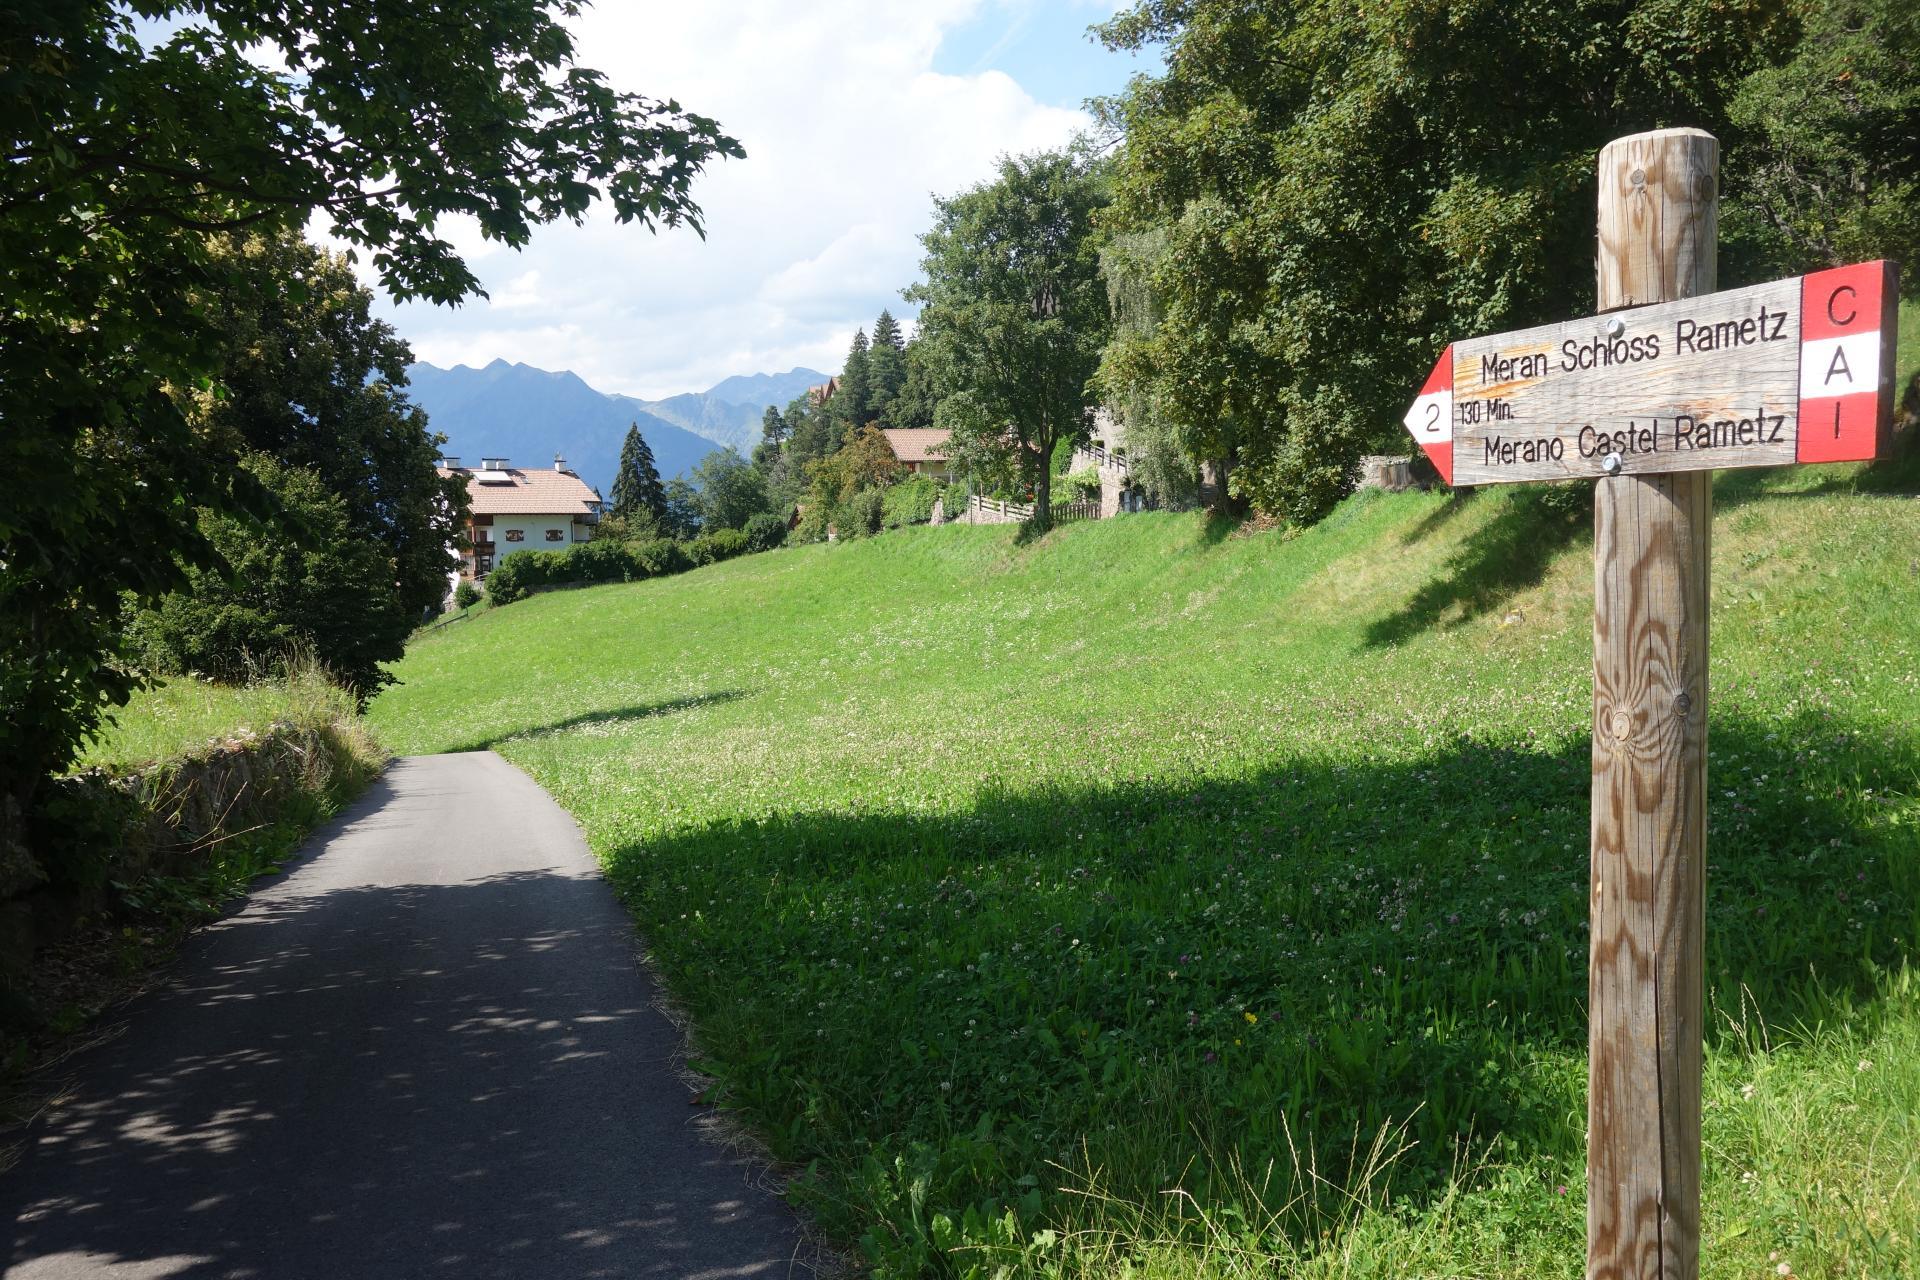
x=522 y=510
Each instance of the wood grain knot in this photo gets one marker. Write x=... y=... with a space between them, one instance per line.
x=1620 y=725
x=1683 y=702
x=1638 y=177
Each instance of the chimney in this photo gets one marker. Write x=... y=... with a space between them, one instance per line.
x=450 y=462
x=560 y=464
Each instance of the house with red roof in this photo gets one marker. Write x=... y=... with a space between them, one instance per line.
x=522 y=509
x=921 y=450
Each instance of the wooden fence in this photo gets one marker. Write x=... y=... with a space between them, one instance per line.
x=996 y=511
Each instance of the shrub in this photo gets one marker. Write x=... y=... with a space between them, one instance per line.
x=660 y=557
x=521 y=572
x=1084 y=483
x=813 y=524
x=728 y=543
x=864 y=514
x=910 y=502
x=600 y=562
x=303 y=582
x=765 y=532
x=466 y=595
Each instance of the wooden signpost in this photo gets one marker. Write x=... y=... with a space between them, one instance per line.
x=1669 y=382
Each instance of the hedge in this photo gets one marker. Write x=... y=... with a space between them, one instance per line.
x=612 y=561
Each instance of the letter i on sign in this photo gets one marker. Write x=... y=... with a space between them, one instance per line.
x=1847 y=321
x=1431 y=418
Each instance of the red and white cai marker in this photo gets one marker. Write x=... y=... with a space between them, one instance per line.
x=1847 y=315
x=1794 y=370
x=1431 y=418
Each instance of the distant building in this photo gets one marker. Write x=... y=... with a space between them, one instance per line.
x=522 y=510
x=824 y=392
x=922 y=450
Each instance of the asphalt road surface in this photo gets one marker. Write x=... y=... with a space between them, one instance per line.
x=428 y=1050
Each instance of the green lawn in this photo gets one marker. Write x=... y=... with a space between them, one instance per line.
x=1146 y=902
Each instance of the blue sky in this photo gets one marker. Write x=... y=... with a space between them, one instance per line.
x=1045 y=48
x=853 y=112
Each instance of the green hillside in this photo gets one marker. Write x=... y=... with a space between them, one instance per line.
x=1152 y=901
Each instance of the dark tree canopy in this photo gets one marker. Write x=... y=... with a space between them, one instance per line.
x=886 y=366
x=1342 y=189
x=306 y=586
x=126 y=162
x=852 y=404
x=637 y=492
x=309 y=378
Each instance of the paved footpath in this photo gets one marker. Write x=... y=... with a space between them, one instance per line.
x=429 y=1050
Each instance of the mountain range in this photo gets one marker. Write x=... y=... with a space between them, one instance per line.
x=527 y=415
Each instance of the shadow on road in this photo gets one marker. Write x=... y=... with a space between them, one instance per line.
x=462 y=1079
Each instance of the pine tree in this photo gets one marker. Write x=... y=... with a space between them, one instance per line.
x=773 y=427
x=852 y=404
x=886 y=365
x=637 y=491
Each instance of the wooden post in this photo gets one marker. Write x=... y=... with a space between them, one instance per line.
x=1658 y=228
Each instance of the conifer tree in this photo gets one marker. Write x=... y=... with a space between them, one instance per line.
x=852 y=403
x=637 y=491
x=886 y=365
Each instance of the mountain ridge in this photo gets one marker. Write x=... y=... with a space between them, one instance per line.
x=528 y=414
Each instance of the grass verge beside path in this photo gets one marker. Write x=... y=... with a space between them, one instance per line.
x=186 y=713
x=1142 y=903
x=191 y=794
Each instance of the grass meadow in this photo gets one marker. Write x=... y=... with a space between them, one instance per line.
x=1149 y=901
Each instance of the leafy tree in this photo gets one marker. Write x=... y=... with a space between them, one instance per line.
x=1161 y=448
x=1014 y=316
x=682 y=519
x=127 y=161
x=886 y=366
x=731 y=491
x=811 y=436
x=1343 y=189
x=637 y=492
x=308 y=377
x=1827 y=147
x=866 y=461
x=305 y=584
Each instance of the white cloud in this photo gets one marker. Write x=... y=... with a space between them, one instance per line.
x=848 y=131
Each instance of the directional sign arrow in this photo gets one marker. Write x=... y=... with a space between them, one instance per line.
x=1796 y=370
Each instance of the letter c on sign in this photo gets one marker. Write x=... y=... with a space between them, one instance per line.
x=1835 y=297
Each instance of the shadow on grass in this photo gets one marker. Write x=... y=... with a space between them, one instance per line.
x=1897 y=476
x=1175 y=980
x=1504 y=557
x=1438 y=518
x=594 y=719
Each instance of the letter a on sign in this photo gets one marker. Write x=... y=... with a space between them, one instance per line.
x=1846 y=315
x=1431 y=418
